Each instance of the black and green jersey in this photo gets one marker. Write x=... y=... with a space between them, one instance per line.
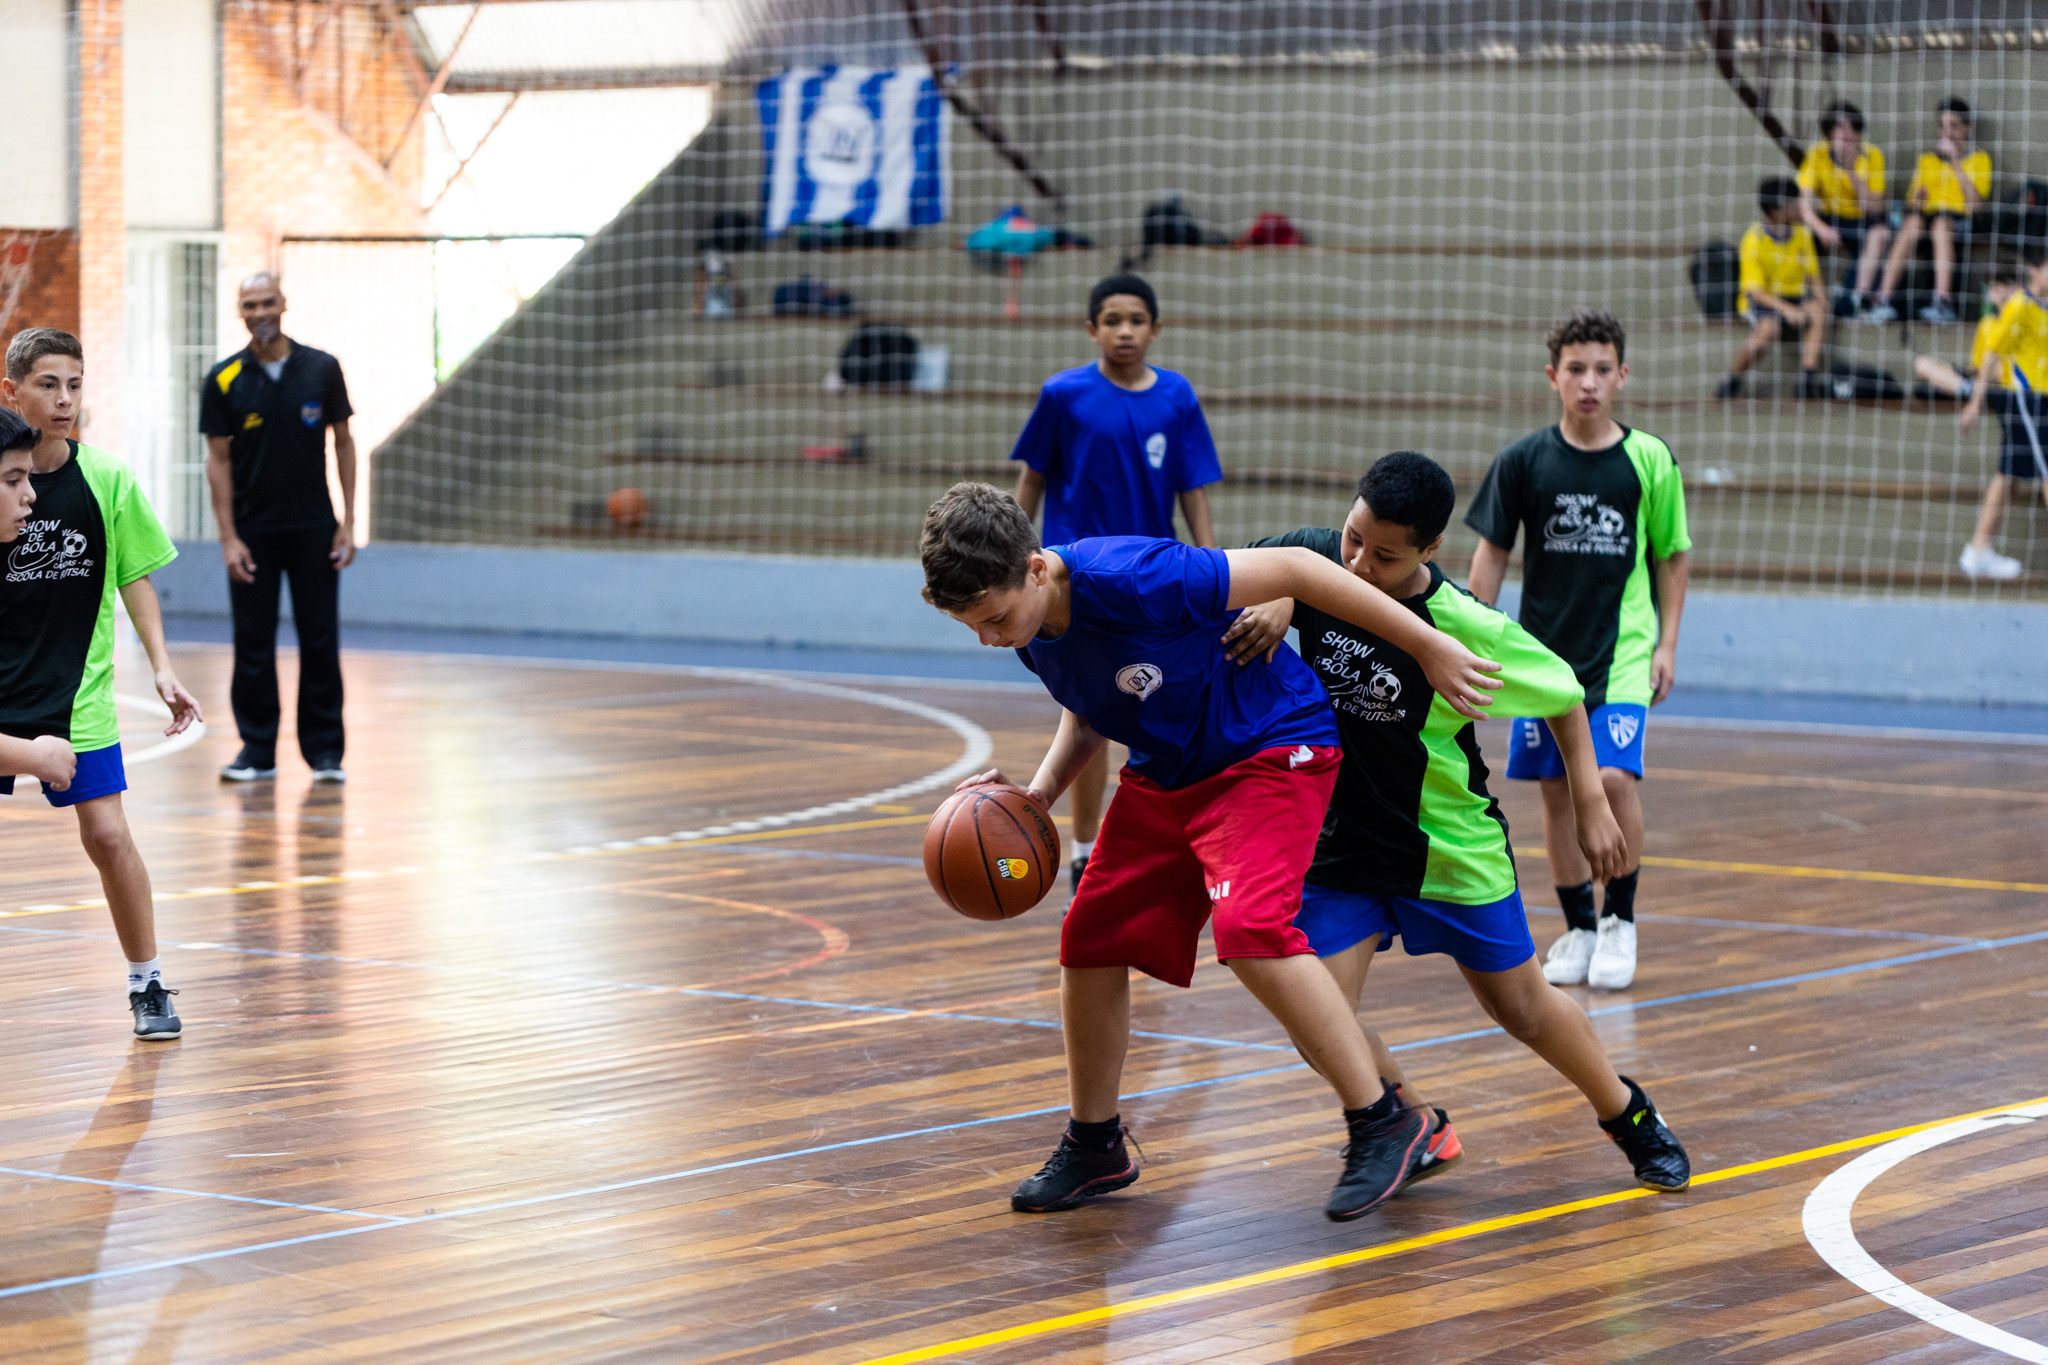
x=1411 y=815
x=90 y=534
x=1594 y=519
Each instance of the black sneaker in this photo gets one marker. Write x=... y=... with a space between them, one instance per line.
x=1653 y=1149
x=154 y=1017
x=1731 y=387
x=1377 y=1161
x=1073 y=1174
x=1076 y=868
x=328 y=769
x=250 y=766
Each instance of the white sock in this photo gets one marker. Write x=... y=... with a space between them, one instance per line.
x=140 y=974
x=1082 y=848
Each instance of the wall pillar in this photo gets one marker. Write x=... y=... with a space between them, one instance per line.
x=102 y=221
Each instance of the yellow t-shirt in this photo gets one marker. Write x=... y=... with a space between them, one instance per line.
x=1977 y=342
x=1833 y=189
x=1944 y=191
x=2020 y=334
x=1769 y=266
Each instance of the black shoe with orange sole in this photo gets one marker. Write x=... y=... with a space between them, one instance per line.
x=1075 y=1174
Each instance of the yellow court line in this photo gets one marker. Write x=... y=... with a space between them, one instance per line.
x=1279 y=1274
x=1839 y=874
x=335 y=879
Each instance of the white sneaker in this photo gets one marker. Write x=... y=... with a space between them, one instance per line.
x=1988 y=563
x=1566 y=962
x=1614 y=955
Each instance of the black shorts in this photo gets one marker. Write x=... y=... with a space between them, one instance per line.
x=1852 y=230
x=2016 y=451
x=1959 y=221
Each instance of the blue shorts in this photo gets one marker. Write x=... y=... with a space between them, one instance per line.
x=1617 y=742
x=1484 y=938
x=99 y=774
x=2015 y=410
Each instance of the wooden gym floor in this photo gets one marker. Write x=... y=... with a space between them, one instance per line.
x=481 y=1064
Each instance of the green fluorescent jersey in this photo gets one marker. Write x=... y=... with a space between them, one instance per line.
x=1594 y=518
x=90 y=534
x=1411 y=815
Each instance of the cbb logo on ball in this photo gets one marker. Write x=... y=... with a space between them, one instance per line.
x=1013 y=869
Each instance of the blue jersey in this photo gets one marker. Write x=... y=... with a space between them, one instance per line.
x=1142 y=660
x=1114 y=461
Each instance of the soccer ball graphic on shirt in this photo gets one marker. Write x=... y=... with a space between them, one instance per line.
x=1383 y=685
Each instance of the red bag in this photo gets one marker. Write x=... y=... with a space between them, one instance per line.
x=1272 y=229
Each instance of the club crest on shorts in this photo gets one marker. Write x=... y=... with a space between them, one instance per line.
x=1140 y=680
x=1621 y=728
x=1012 y=869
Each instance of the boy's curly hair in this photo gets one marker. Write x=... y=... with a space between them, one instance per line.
x=1586 y=327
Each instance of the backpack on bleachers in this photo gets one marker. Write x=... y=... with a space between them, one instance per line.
x=1715 y=271
x=1168 y=223
x=807 y=296
x=878 y=353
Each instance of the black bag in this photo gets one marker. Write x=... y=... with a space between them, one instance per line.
x=2021 y=222
x=1715 y=270
x=807 y=296
x=878 y=353
x=1168 y=223
x=1849 y=382
x=730 y=230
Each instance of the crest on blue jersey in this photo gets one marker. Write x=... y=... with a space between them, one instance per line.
x=1140 y=680
x=1155 y=450
x=1621 y=727
x=309 y=413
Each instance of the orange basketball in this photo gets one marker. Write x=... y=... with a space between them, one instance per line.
x=628 y=508
x=991 y=852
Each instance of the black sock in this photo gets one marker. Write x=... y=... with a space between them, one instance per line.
x=1378 y=1109
x=1097 y=1137
x=1578 y=906
x=1621 y=897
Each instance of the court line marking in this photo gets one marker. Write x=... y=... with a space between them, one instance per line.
x=1827 y=1220
x=1680 y=722
x=155 y=707
x=196 y=1194
x=1299 y=1269
x=1839 y=874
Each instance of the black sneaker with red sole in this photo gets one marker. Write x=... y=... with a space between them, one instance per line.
x=1074 y=1174
x=1377 y=1162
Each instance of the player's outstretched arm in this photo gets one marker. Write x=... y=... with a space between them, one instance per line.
x=1672 y=573
x=148 y=615
x=1458 y=675
x=1072 y=746
x=49 y=760
x=1600 y=837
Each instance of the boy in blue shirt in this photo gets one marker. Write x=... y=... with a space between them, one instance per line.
x=1217 y=814
x=1109 y=449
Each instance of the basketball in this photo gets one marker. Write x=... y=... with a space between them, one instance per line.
x=991 y=852
x=627 y=508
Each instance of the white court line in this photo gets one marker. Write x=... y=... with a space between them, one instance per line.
x=155 y=707
x=1827 y=1219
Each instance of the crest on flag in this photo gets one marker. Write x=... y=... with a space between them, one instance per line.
x=851 y=144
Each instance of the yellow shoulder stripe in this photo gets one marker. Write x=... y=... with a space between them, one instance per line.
x=227 y=375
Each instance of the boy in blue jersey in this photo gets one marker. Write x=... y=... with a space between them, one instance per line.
x=1217 y=814
x=1109 y=449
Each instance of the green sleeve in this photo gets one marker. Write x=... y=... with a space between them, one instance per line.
x=137 y=545
x=1664 y=508
x=1534 y=681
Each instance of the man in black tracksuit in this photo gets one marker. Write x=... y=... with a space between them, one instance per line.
x=266 y=412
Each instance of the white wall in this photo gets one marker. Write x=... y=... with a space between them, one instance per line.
x=171 y=110
x=35 y=154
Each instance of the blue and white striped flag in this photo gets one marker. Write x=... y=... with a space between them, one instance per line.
x=849 y=144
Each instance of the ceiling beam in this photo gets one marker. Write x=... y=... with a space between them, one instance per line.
x=509 y=82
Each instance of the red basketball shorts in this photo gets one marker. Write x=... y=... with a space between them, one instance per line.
x=1235 y=845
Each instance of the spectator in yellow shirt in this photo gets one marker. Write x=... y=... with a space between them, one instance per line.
x=1841 y=197
x=2010 y=383
x=1951 y=183
x=1779 y=290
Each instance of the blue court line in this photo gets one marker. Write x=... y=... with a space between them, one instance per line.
x=196 y=1194
x=1771 y=984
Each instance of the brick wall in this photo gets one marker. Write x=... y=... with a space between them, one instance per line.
x=312 y=166
x=48 y=294
x=102 y=221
